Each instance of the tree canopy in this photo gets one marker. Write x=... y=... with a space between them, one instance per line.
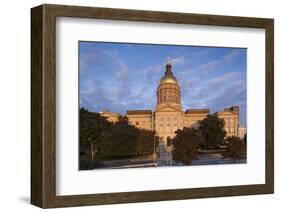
x=121 y=140
x=113 y=139
x=185 y=145
x=235 y=148
x=91 y=127
x=211 y=131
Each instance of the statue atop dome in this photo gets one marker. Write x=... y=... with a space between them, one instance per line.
x=168 y=60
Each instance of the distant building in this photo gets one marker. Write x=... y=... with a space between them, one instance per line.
x=141 y=118
x=242 y=131
x=110 y=116
x=231 y=119
x=169 y=116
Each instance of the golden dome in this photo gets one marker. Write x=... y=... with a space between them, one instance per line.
x=168 y=79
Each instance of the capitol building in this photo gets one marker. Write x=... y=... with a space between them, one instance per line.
x=169 y=115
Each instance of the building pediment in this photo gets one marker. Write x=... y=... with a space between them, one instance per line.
x=168 y=108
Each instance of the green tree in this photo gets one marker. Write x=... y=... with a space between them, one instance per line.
x=91 y=127
x=235 y=148
x=212 y=132
x=105 y=140
x=245 y=140
x=185 y=145
x=123 y=139
x=145 y=142
x=119 y=139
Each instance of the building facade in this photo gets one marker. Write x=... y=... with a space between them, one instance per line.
x=169 y=115
x=242 y=131
x=110 y=116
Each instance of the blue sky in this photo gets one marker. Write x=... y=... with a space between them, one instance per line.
x=118 y=77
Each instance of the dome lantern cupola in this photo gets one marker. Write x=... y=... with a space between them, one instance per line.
x=168 y=77
x=168 y=91
x=168 y=70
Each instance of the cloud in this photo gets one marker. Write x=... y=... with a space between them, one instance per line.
x=232 y=54
x=178 y=60
x=216 y=93
x=202 y=67
x=122 y=73
x=227 y=95
x=210 y=65
x=95 y=56
x=224 y=78
x=160 y=67
x=118 y=90
x=110 y=80
x=99 y=90
x=86 y=60
x=154 y=68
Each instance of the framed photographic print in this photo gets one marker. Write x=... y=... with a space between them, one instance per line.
x=137 y=106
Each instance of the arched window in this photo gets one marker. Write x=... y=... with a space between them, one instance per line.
x=137 y=123
x=169 y=141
